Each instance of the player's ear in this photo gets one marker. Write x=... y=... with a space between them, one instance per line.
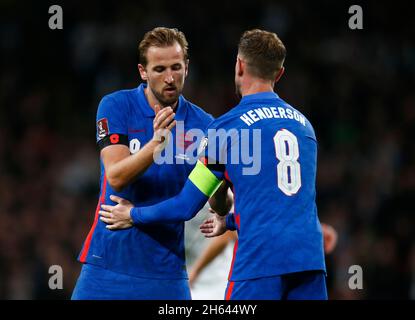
x=279 y=74
x=186 y=67
x=143 y=72
x=240 y=66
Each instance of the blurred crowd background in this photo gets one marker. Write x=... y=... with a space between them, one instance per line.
x=355 y=86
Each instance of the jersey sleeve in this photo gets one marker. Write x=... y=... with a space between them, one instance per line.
x=111 y=123
x=212 y=150
x=230 y=222
x=201 y=184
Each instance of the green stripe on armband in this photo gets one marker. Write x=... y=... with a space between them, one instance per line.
x=204 y=179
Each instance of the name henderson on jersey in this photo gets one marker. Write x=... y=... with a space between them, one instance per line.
x=257 y=114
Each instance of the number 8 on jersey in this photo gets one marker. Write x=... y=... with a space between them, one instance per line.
x=288 y=168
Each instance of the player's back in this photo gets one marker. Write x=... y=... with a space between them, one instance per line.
x=272 y=165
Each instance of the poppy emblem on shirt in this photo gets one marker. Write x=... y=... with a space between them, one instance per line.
x=114 y=138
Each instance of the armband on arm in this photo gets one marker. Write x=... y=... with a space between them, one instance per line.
x=111 y=139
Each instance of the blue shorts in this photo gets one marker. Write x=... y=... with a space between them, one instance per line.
x=307 y=285
x=97 y=283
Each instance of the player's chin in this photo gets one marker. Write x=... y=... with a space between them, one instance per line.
x=169 y=100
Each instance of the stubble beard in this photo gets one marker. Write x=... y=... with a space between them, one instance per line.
x=166 y=102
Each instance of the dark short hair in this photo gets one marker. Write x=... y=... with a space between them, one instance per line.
x=161 y=37
x=264 y=53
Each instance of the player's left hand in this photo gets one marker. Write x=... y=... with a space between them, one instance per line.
x=213 y=226
x=118 y=216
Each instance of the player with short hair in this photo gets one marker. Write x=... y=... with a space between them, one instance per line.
x=144 y=262
x=279 y=253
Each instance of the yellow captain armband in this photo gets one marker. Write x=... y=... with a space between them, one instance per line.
x=204 y=179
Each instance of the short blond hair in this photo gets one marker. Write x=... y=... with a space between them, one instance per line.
x=161 y=37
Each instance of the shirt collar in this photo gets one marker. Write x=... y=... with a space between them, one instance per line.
x=148 y=110
x=260 y=95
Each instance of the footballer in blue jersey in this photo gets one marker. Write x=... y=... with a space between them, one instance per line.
x=267 y=151
x=148 y=261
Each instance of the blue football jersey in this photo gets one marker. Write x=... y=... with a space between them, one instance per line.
x=157 y=250
x=269 y=152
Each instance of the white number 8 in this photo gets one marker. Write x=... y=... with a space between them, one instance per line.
x=288 y=168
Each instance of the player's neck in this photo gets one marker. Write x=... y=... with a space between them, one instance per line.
x=152 y=100
x=256 y=86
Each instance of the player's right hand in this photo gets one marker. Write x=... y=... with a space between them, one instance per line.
x=164 y=120
x=162 y=125
x=214 y=226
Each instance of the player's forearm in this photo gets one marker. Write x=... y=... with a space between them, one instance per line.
x=183 y=207
x=123 y=172
x=222 y=201
x=201 y=184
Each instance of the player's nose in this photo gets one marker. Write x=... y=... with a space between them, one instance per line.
x=169 y=78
